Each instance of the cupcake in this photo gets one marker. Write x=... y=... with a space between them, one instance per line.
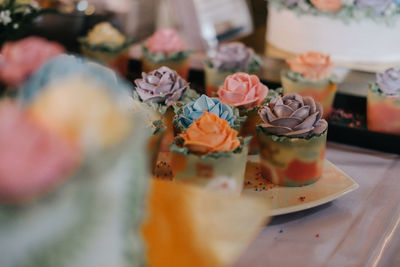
x=166 y=48
x=383 y=103
x=163 y=90
x=72 y=177
x=107 y=45
x=247 y=93
x=310 y=74
x=228 y=59
x=292 y=140
x=191 y=112
x=20 y=59
x=210 y=154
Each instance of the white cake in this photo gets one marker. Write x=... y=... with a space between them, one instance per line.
x=359 y=40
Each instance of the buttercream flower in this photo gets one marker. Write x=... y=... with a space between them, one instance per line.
x=161 y=86
x=312 y=65
x=18 y=60
x=242 y=90
x=327 y=5
x=32 y=160
x=389 y=81
x=232 y=56
x=105 y=34
x=210 y=134
x=293 y=116
x=378 y=5
x=166 y=41
x=195 y=109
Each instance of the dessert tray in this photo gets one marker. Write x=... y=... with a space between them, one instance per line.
x=333 y=184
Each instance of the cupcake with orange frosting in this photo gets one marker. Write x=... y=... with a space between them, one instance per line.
x=292 y=138
x=210 y=153
x=247 y=93
x=107 y=45
x=228 y=59
x=166 y=48
x=311 y=74
x=383 y=102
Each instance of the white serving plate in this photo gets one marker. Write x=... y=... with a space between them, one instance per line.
x=333 y=184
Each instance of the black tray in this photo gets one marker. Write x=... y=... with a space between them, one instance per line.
x=351 y=132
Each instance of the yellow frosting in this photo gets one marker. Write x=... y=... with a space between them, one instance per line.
x=83 y=112
x=103 y=33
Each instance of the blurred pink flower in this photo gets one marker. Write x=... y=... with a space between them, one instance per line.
x=18 y=60
x=165 y=41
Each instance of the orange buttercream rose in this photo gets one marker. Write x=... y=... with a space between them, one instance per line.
x=327 y=5
x=313 y=65
x=210 y=134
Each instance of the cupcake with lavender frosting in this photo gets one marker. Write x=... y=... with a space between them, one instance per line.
x=292 y=139
x=228 y=59
x=166 y=48
x=383 y=102
x=164 y=91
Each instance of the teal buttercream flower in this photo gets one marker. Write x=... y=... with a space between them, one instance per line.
x=193 y=111
x=64 y=66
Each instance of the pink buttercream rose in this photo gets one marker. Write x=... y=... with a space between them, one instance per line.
x=32 y=160
x=313 y=65
x=18 y=60
x=327 y=5
x=165 y=41
x=242 y=90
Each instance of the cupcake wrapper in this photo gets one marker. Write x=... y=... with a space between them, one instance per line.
x=225 y=173
x=322 y=91
x=291 y=161
x=383 y=113
x=118 y=61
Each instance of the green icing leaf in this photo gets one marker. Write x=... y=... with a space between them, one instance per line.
x=298 y=77
x=106 y=47
x=253 y=67
x=177 y=147
x=159 y=58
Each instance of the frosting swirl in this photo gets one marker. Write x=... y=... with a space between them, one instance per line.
x=104 y=33
x=18 y=60
x=293 y=116
x=327 y=5
x=389 y=81
x=379 y=6
x=162 y=85
x=210 y=134
x=312 y=65
x=242 y=90
x=195 y=109
x=166 y=41
x=232 y=56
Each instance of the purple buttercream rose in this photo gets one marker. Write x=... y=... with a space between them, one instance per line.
x=378 y=5
x=389 y=81
x=162 y=85
x=293 y=116
x=232 y=56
